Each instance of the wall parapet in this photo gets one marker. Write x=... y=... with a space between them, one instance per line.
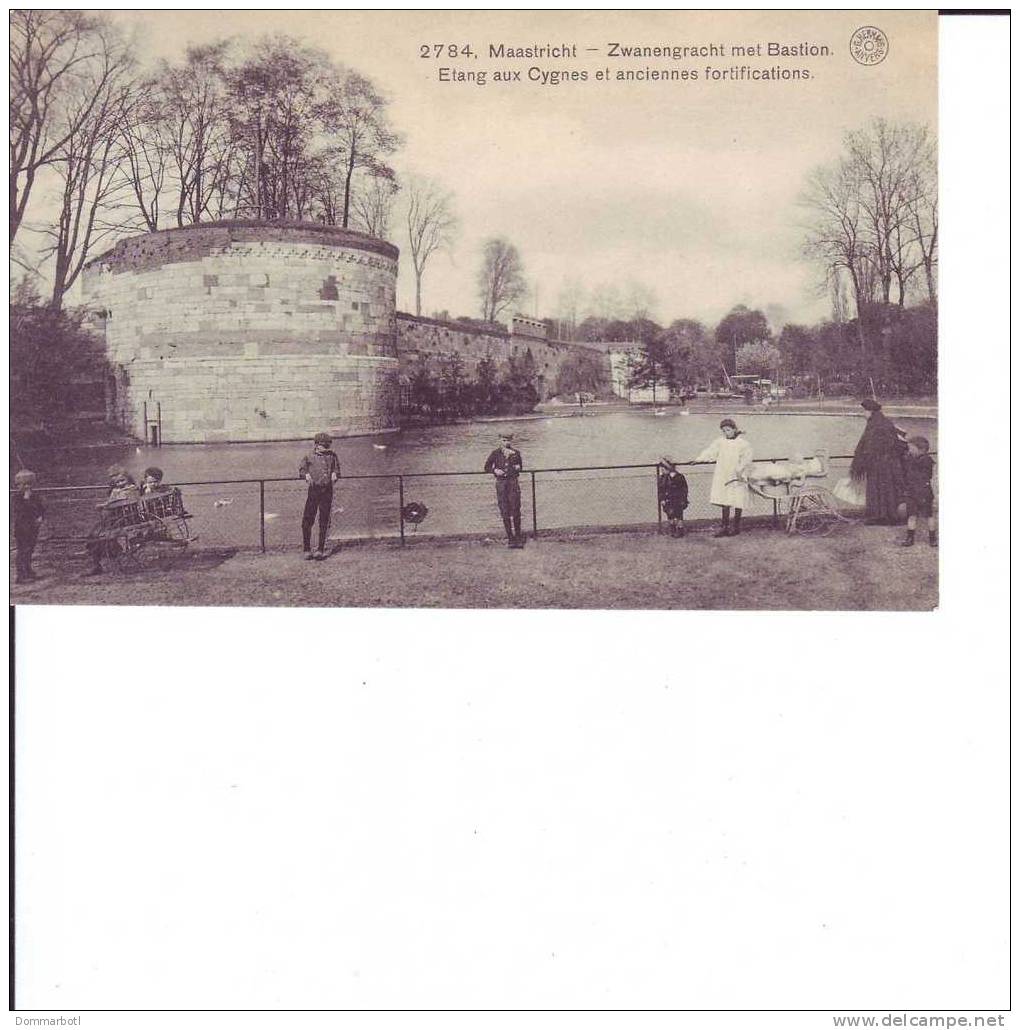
x=193 y=242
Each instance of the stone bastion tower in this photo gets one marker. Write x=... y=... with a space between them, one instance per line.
x=249 y=331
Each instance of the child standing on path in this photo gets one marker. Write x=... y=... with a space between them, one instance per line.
x=918 y=467
x=731 y=454
x=672 y=495
x=505 y=464
x=28 y=516
x=320 y=469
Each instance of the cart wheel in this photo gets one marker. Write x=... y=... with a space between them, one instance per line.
x=813 y=523
x=123 y=552
x=158 y=543
x=137 y=556
x=176 y=530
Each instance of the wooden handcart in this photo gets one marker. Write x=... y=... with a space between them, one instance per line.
x=149 y=531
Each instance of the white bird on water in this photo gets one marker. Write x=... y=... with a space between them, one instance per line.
x=223 y=502
x=268 y=516
x=660 y=411
x=379 y=446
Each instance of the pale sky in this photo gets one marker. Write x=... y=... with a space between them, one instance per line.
x=687 y=187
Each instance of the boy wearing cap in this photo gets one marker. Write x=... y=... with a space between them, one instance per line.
x=505 y=464
x=732 y=454
x=672 y=484
x=918 y=468
x=320 y=469
x=28 y=516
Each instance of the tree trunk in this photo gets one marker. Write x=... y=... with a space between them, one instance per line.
x=417 y=293
x=347 y=188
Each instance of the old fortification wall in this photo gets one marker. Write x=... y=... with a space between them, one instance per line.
x=250 y=331
x=430 y=339
x=271 y=331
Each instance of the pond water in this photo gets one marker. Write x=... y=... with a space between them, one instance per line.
x=229 y=514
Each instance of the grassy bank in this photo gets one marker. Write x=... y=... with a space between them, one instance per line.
x=856 y=568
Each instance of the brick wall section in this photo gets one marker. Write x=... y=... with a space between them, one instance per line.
x=247 y=331
x=430 y=339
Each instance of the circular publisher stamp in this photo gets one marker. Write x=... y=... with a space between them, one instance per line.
x=869 y=45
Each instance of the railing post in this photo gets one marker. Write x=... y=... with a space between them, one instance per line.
x=534 y=510
x=145 y=422
x=262 y=515
x=159 y=423
x=400 y=491
x=658 y=502
x=775 y=512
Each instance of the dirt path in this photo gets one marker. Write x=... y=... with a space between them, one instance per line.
x=856 y=567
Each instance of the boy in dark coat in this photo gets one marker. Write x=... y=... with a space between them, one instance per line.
x=505 y=464
x=28 y=516
x=673 y=495
x=320 y=469
x=918 y=468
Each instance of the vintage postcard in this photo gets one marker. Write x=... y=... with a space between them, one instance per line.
x=475 y=309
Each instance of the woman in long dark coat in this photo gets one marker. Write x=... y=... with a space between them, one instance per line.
x=878 y=460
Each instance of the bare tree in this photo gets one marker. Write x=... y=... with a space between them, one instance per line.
x=884 y=158
x=640 y=301
x=327 y=175
x=372 y=204
x=88 y=169
x=873 y=214
x=569 y=304
x=923 y=216
x=146 y=155
x=275 y=96
x=837 y=235
x=431 y=225
x=196 y=128
x=605 y=303
x=353 y=115
x=501 y=281
x=837 y=296
x=61 y=63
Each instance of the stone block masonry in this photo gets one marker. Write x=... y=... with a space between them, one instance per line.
x=272 y=331
x=249 y=331
x=429 y=339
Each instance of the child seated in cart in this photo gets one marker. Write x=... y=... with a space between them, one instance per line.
x=152 y=481
x=158 y=498
x=123 y=493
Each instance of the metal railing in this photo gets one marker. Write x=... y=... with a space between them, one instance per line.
x=265 y=512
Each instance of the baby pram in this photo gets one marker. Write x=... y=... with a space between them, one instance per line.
x=798 y=485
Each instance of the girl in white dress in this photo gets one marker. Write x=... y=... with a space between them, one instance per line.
x=732 y=454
